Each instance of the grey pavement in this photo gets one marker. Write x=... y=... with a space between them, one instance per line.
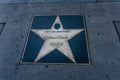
x=1 y=27
x=102 y=36
x=54 y=1
x=117 y=27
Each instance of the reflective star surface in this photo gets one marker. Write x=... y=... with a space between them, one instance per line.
x=57 y=43
x=56 y=39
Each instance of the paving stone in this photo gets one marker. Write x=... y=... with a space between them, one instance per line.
x=103 y=42
x=57 y=1
x=54 y=1
x=108 y=0
x=1 y=27
x=117 y=27
x=13 y=1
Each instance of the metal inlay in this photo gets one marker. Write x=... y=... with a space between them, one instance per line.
x=117 y=28
x=57 y=39
x=1 y=27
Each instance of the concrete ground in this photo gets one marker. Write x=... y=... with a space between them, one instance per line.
x=102 y=36
x=54 y=1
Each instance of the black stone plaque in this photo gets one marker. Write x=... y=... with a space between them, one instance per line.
x=57 y=39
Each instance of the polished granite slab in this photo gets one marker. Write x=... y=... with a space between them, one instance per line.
x=57 y=39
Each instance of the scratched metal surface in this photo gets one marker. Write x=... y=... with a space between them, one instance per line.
x=103 y=41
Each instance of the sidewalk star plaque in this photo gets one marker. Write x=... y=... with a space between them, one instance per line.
x=57 y=39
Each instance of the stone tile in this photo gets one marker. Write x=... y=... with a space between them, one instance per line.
x=117 y=27
x=54 y=1
x=57 y=1
x=13 y=1
x=1 y=27
x=108 y=0
x=103 y=41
